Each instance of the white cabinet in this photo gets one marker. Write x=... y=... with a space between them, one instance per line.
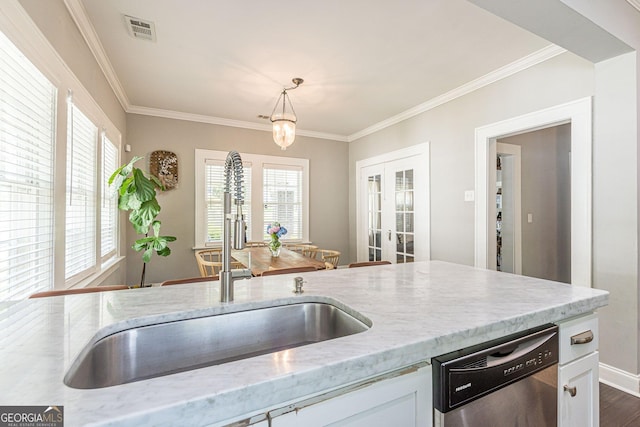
x=401 y=400
x=578 y=389
x=578 y=392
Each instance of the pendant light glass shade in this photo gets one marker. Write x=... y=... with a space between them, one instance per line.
x=284 y=122
x=284 y=130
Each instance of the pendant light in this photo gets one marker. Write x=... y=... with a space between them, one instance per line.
x=284 y=122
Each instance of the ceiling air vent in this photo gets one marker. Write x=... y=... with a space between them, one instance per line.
x=140 y=29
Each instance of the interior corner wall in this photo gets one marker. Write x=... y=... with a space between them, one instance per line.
x=55 y=22
x=615 y=209
x=328 y=205
x=450 y=129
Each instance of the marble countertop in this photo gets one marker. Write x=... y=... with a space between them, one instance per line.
x=418 y=311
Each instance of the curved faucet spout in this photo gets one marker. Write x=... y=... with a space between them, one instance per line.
x=232 y=165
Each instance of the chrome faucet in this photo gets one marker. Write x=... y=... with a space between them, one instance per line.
x=233 y=164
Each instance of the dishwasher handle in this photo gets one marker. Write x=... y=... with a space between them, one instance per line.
x=499 y=357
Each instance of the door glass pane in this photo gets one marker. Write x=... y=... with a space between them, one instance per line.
x=408 y=244
x=400 y=242
x=404 y=215
x=374 y=215
x=399 y=180
x=399 y=222
x=408 y=200
x=408 y=179
x=408 y=222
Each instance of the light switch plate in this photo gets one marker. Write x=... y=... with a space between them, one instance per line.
x=469 y=196
x=529 y=218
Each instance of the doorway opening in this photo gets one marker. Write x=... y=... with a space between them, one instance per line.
x=544 y=198
x=578 y=116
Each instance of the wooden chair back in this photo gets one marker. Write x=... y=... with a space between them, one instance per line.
x=368 y=263
x=78 y=291
x=304 y=249
x=210 y=262
x=329 y=257
x=189 y=280
x=288 y=270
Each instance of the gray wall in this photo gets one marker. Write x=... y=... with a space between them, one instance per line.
x=328 y=172
x=53 y=19
x=546 y=194
x=450 y=128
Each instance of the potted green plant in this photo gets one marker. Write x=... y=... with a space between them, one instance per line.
x=137 y=194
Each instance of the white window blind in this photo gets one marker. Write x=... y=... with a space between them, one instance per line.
x=214 y=190
x=27 y=126
x=282 y=196
x=80 y=228
x=109 y=202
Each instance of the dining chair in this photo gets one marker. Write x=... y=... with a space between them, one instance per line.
x=368 y=263
x=288 y=270
x=329 y=257
x=210 y=262
x=78 y=291
x=189 y=280
x=255 y=244
x=302 y=248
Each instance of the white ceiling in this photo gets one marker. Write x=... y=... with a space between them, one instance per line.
x=363 y=61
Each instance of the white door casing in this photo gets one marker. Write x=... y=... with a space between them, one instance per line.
x=579 y=114
x=416 y=160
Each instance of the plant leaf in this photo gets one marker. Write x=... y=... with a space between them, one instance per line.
x=146 y=257
x=142 y=218
x=165 y=252
x=156 y=228
x=145 y=189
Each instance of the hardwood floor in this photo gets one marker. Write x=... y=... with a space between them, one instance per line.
x=618 y=409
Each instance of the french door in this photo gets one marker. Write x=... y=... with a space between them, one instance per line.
x=393 y=211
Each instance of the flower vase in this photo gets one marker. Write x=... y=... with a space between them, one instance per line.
x=274 y=247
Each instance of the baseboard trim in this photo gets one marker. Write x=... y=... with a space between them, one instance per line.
x=622 y=380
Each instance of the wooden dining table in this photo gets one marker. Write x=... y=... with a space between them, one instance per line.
x=261 y=260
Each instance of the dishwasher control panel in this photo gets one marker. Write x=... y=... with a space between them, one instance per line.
x=468 y=374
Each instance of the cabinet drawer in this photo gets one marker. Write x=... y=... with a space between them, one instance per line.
x=578 y=337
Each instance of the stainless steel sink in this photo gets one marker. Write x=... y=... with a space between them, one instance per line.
x=166 y=348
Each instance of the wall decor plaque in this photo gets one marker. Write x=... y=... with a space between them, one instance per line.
x=164 y=165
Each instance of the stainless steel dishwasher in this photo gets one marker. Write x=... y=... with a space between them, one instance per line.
x=507 y=382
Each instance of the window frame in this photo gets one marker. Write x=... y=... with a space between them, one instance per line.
x=27 y=37
x=257 y=163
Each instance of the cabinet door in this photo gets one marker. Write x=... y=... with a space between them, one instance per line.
x=399 y=401
x=578 y=393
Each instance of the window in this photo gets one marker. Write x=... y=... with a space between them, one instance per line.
x=80 y=227
x=214 y=184
x=109 y=202
x=27 y=126
x=39 y=191
x=284 y=198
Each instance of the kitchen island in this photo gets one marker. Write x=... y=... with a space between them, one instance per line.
x=417 y=311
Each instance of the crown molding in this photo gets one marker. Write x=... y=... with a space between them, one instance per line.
x=521 y=64
x=634 y=3
x=177 y=115
x=79 y=15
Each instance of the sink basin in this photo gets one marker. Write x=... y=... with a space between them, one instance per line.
x=166 y=348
